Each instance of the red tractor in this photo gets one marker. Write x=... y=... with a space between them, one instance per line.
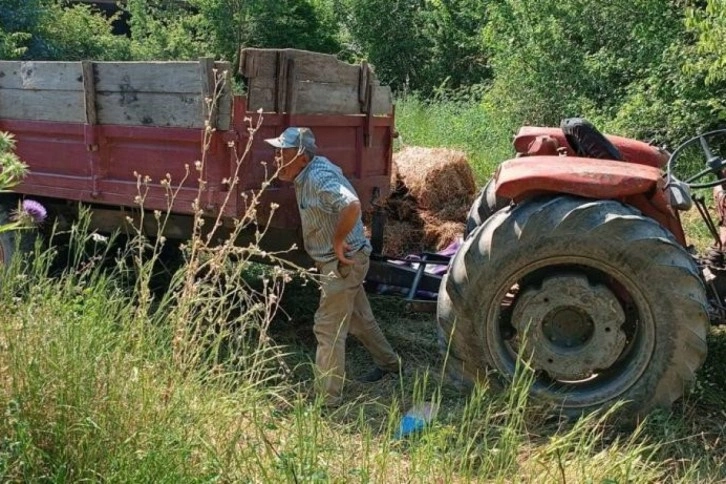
x=576 y=260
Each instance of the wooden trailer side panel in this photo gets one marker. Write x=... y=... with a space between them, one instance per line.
x=163 y=94
x=300 y=82
x=121 y=121
x=88 y=130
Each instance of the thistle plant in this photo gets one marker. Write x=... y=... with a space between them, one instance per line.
x=12 y=170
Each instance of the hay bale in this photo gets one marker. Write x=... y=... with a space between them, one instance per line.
x=431 y=192
x=403 y=209
x=438 y=233
x=402 y=238
x=436 y=176
x=453 y=213
x=395 y=175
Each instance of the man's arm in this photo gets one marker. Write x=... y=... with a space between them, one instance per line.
x=347 y=218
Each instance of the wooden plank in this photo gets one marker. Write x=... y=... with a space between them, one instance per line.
x=46 y=76
x=260 y=97
x=280 y=81
x=150 y=109
x=368 y=126
x=89 y=92
x=225 y=99
x=382 y=102
x=317 y=98
x=208 y=83
x=162 y=77
x=313 y=97
x=64 y=106
x=291 y=87
x=321 y=84
x=363 y=81
x=311 y=66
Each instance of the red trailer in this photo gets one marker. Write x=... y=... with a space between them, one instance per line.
x=87 y=130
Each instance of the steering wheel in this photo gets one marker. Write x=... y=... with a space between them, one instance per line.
x=714 y=164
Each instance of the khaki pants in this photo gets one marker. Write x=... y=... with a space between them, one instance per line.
x=344 y=308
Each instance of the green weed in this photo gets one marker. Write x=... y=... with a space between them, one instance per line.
x=104 y=379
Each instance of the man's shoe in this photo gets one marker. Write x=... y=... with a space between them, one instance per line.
x=376 y=374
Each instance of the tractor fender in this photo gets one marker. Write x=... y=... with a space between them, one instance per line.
x=522 y=178
x=633 y=151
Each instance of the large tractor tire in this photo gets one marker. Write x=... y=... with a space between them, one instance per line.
x=484 y=206
x=603 y=301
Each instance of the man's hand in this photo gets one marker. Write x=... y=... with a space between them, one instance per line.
x=346 y=221
x=340 y=249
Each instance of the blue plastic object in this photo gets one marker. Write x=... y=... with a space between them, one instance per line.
x=409 y=424
x=415 y=420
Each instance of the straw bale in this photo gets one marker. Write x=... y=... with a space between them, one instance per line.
x=453 y=212
x=402 y=238
x=438 y=233
x=395 y=175
x=404 y=209
x=431 y=192
x=436 y=176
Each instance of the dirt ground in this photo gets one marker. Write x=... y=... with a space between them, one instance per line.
x=413 y=336
x=699 y=415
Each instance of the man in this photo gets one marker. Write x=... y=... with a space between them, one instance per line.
x=334 y=237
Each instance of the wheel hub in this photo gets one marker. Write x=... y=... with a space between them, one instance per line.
x=570 y=328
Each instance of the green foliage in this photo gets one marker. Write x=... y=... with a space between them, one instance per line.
x=456 y=56
x=79 y=33
x=710 y=26
x=11 y=44
x=164 y=30
x=460 y=123
x=52 y=30
x=417 y=44
x=391 y=35
x=671 y=102
x=12 y=170
x=561 y=58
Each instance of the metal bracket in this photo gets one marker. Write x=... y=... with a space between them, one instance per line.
x=90 y=129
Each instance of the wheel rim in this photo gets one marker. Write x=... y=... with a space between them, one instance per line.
x=572 y=327
x=584 y=326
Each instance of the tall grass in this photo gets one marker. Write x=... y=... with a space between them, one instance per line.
x=101 y=379
x=461 y=123
x=91 y=392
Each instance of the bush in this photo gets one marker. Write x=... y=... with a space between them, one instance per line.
x=42 y=30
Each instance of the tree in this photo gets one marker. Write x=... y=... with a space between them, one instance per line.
x=164 y=30
x=391 y=35
x=231 y=24
x=51 y=30
x=417 y=44
x=556 y=58
x=710 y=26
x=457 y=57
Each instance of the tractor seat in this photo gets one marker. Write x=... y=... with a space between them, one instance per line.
x=586 y=141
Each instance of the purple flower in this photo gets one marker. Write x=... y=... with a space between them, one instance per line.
x=34 y=210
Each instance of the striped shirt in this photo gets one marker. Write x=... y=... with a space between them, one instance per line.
x=322 y=191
